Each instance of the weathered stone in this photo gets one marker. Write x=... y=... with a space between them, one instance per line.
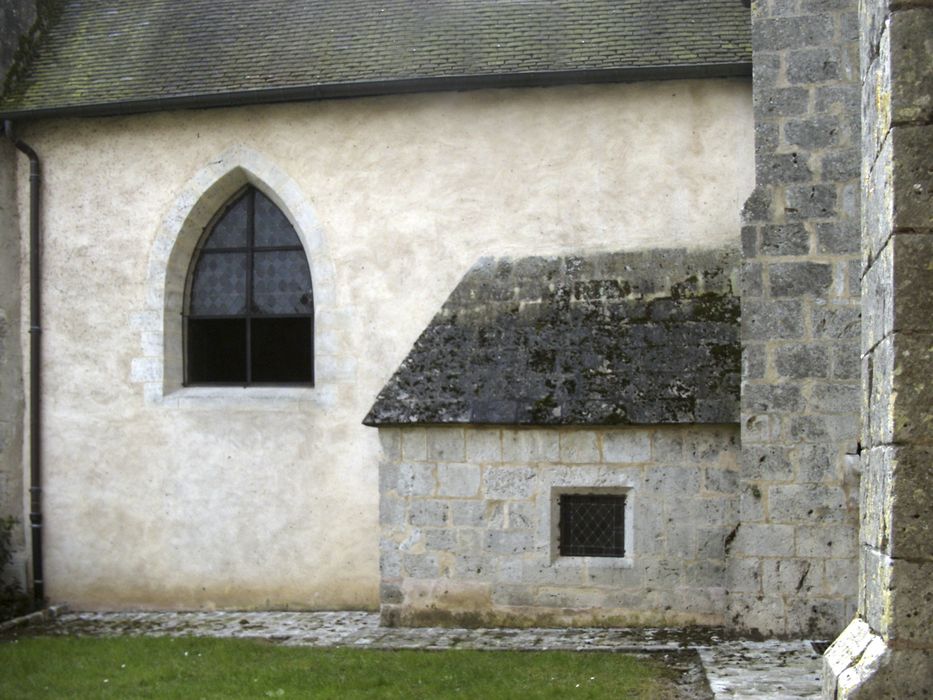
x=753 y=361
x=786 y=239
x=757 y=208
x=483 y=514
x=815 y=617
x=604 y=342
x=764 y=540
x=832 y=541
x=814 y=133
x=842 y=164
x=579 y=447
x=766 y=398
x=509 y=482
x=905 y=501
x=511 y=542
x=483 y=446
x=912 y=284
x=771 y=319
x=799 y=278
x=458 y=480
x=792 y=576
x=806 y=503
x=912 y=397
x=791 y=33
x=817 y=463
x=810 y=202
x=839 y=237
x=911 y=84
x=428 y=513
x=783 y=167
x=800 y=361
x=416 y=479
x=667 y=446
x=752 y=280
x=415 y=444
x=846 y=364
x=627 y=446
x=764 y=614
x=446 y=444
x=813 y=66
x=530 y=446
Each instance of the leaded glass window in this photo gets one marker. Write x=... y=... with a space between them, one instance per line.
x=250 y=310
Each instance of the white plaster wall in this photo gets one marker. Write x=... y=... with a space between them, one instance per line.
x=245 y=498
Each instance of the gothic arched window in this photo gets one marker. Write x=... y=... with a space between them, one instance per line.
x=249 y=312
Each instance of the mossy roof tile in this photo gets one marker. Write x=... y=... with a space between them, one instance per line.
x=595 y=340
x=123 y=52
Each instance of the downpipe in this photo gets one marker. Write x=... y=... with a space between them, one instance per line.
x=35 y=354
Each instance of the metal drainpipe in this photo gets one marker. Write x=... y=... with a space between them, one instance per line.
x=35 y=396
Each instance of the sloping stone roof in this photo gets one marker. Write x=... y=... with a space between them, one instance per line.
x=101 y=55
x=620 y=338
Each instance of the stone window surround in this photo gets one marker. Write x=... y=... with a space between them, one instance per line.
x=159 y=366
x=625 y=562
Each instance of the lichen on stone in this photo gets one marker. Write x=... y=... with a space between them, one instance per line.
x=606 y=339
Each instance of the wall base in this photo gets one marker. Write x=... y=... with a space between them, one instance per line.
x=860 y=664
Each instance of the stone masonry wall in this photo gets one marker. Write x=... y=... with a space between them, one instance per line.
x=887 y=651
x=469 y=525
x=800 y=326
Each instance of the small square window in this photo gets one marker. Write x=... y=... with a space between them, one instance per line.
x=591 y=525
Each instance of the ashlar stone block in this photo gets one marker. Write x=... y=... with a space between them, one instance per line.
x=627 y=446
x=446 y=444
x=579 y=447
x=530 y=446
x=509 y=482
x=458 y=480
x=764 y=540
x=483 y=446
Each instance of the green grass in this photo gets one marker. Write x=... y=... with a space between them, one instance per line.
x=192 y=668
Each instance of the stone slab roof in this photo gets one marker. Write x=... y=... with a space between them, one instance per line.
x=106 y=56
x=617 y=338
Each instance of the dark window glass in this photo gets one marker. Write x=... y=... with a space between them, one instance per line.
x=216 y=351
x=280 y=349
x=591 y=525
x=250 y=311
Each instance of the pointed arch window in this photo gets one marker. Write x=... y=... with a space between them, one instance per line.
x=249 y=311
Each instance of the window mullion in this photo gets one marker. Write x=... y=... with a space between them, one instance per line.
x=250 y=241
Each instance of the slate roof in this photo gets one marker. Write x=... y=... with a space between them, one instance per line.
x=623 y=338
x=104 y=56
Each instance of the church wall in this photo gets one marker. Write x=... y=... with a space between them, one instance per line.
x=470 y=525
x=800 y=318
x=170 y=497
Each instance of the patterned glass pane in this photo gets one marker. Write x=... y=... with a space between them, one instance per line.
x=592 y=525
x=230 y=229
x=272 y=227
x=281 y=283
x=219 y=285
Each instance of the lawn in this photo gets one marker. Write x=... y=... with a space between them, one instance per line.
x=70 y=667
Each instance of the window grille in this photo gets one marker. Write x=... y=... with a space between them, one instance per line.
x=591 y=525
x=250 y=308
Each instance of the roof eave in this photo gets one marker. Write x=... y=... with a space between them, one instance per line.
x=388 y=87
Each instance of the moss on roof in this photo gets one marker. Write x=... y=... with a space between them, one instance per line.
x=615 y=338
x=118 y=52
